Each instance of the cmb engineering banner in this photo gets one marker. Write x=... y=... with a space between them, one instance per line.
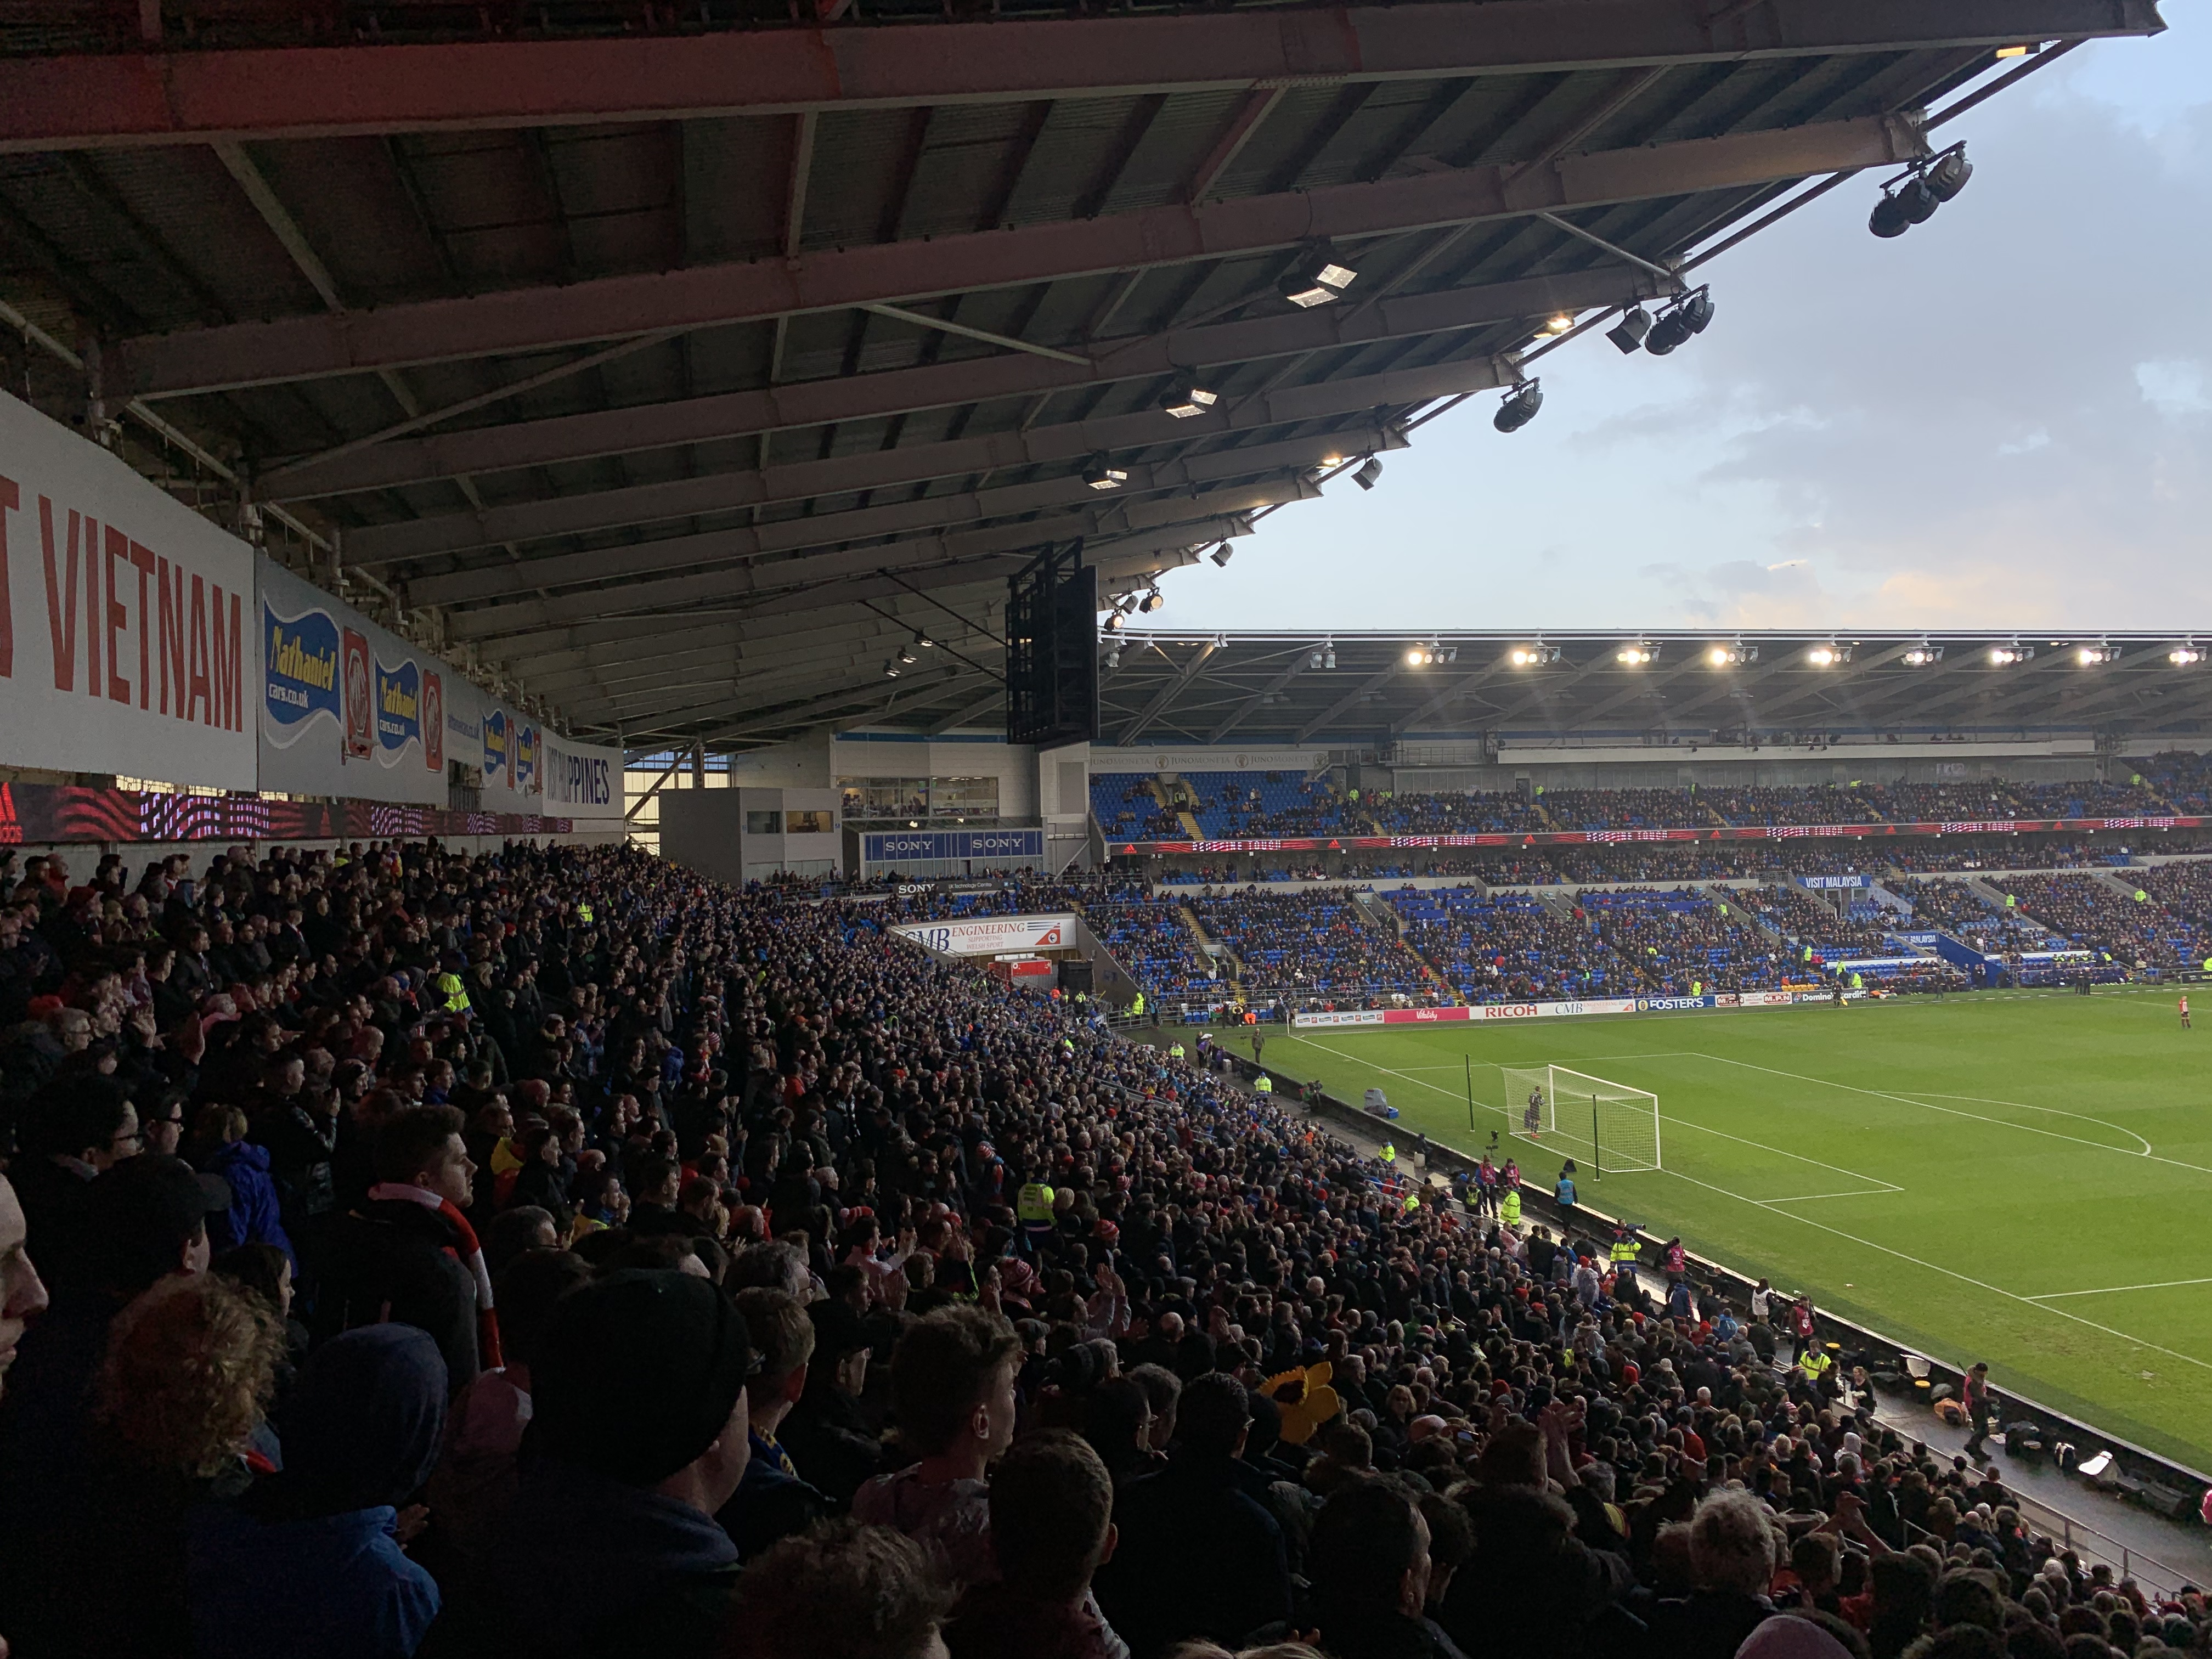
x=1501 y=1010
x=127 y=636
x=985 y=936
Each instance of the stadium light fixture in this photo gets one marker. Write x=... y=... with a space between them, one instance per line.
x=1735 y=655
x=1636 y=652
x=922 y=642
x=1559 y=324
x=1829 y=654
x=1329 y=655
x=1923 y=655
x=1317 y=278
x=906 y=655
x=1099 y=476
x=1113 y=622
x=1689 y=315
x=1152 y=601
x=1113 y=654
x=2007 y=656
x=1533 y=656
x=1520 y=407
x=1628 y=333
x=1912 y=197
x=1220 y=555
x=1370 y=470
x=2095 y=656
x=1186 y=397
x=2186 y=656
x=891 y=670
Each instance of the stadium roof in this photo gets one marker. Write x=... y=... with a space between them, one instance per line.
x=679 y=362
x=1400 y=691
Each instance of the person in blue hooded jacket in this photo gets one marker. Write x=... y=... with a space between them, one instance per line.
x=309 y=1561
x=255 y=1214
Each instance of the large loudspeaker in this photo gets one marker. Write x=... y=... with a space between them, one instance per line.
x=1052 y=650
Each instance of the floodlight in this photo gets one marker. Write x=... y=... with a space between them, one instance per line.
x=1923 y=655
x=1532 y=656
x=1370 y=470
x=1688 y=316
x=1152 y=601
x=1220 y=555
x=1415 y=658
x=1113 y=655
x=1913 y=198
x=891 y=671
x=1520 y=407
x=1314 y=661
x=2094 y=656
x=1186 y=397
x=1113 y=622
x=921 y=640
x=1628 y=333
x=1316 y=279
x=1733 y=655
x=1328 y=657
x=1828 y=655
x=906 y=654
x=1636 y=652
x=1099 y=476
x=1948 y=173
x=1558 y=325
x=2005 y=656
x=2185 y=656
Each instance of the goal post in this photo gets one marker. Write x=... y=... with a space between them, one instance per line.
x=1610 y=1126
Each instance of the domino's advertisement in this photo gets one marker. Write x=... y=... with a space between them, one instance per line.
x=1500 y=1010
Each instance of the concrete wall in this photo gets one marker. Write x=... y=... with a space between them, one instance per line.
x=741 y=834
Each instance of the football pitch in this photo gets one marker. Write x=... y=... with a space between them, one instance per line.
x=2020 y=1177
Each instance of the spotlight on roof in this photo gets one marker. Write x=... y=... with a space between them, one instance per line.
x=2006 y=656
x=1152 y=601
x=1221 y=554
x=1628 y=333
x=1688 y=316
x=1923 y=655
x=1424 y=656
x=1828 y=655
x=906 y=654
x=1099 y=476
x=1532 y=656
x=1370 y=470
x=1636 y=652
x=1734 y=655
x=1316 y=279
x=1912 y=197
x=1558 y=325
x=1113 y=655
x=921 y=640
x=1186 y=397
x=2094 y=656
x=1520 y=407
x=2185 y=656
x=1328 y=656
x=1113 y=623
x=892 y=671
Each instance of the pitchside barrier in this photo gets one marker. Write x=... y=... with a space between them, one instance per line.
x=1491 y=1010
x=2158 y=1484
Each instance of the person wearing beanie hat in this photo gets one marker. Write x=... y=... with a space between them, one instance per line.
x=639 y=1434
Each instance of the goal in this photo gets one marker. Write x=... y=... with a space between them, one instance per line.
x=1611 y=1126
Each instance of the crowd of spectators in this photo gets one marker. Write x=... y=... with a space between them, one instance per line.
x=1683 y=942
x=1463 y=812
x=1303 y=949
x=1509 y=947
x=2183 y=888
x=1826 y=803
x=2181 y=781
x=1626 y=809
x=1953 y=907
x=1809 y=921
x=2132 y=932
x=649 y=1268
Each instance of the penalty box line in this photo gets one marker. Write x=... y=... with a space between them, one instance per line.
x=1879 y=1187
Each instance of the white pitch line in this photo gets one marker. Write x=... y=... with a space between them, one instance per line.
x=2055 y=1111
x=1978 y=1117
x=1979 y=1285
x=1864 y=1192
x=2114 y=1290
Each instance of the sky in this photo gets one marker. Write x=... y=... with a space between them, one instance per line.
x=2002 y=419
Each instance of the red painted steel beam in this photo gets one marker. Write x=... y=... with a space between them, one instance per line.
x=538 y=319
x=939 y=385
x=200 y=95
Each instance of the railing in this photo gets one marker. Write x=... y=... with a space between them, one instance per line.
x=2094 y=1548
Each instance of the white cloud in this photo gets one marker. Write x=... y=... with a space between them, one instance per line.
x=2174 y=387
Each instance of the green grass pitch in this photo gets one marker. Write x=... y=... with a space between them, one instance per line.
x=2021 y=1177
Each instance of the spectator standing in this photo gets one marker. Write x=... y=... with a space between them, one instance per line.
x=1052 y=1505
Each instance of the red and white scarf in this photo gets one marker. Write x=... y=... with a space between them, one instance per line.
x=469 y=1253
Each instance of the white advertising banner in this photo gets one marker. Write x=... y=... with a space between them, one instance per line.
x=127 y=635
x=985 y=936
x=583 y=782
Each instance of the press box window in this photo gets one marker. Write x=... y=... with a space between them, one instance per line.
x=763 y=823
x=820 y=822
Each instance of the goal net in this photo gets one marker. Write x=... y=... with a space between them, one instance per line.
x=1605 y=1126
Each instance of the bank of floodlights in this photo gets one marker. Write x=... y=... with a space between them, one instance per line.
x=1152 y=601
x=1637 y=654
x=1520 y=407
x=1735 y=655
x=1318 y=278
x=1324 y=655
x=2187 y=655
x=1532 y=656
x=2011 y=655
x=1687 y=316
x=1828 y=654
x=1102 y=476
x=1186 y=398
x=1424 y=656
x=1923 y=655
x=1913 y=195
x=2097 y=655
x=1370 y=470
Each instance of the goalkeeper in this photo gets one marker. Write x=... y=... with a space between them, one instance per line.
x=1532 y=1116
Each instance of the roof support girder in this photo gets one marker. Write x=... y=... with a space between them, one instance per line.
x=196 y=97
x=608 y=307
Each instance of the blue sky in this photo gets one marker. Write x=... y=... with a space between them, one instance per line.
x=2002 y=418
